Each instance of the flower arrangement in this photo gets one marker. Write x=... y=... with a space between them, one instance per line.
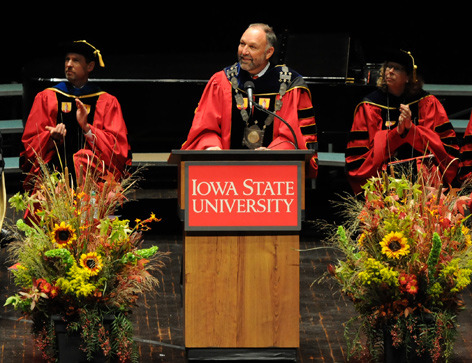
x=407 y=255
x=75 y=261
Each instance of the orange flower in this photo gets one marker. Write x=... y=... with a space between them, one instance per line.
x=54 y=291
x=408 y=283
x=411 y=288
x=46 y=287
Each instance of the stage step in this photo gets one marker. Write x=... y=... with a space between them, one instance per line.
x=12 y=164
x=160 y=159
x=449 y=89
x=459 y=125
x=11 y=126
x=11 y=89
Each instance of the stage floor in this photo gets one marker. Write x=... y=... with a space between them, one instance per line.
x=159 y=321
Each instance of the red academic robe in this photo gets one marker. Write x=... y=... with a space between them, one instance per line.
x=433 y=134
x=212 y=120
x=466 y=153
x=110 y=145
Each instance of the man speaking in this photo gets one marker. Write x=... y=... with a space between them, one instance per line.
x=281 y=116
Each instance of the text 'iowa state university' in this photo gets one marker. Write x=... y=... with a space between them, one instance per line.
x=250 y=196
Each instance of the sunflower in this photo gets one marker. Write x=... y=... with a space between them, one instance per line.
x=63 y=234
x=91 y=262
x=395 y=245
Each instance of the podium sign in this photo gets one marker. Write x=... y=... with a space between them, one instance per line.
x=242 y=212
x=224 y=196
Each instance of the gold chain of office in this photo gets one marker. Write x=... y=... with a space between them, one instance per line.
x=254 y=135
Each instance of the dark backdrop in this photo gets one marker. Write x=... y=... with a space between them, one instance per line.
x=147 y=40
x=438 y=33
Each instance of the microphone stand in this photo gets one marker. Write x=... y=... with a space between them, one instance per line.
x=259 y=107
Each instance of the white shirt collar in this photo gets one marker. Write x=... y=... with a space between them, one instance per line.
x=261 y=73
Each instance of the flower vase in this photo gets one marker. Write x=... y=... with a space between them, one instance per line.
x=69 y=344
x=400 y=354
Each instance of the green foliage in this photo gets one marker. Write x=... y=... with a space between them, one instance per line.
x=72 y=259
x=406 y=256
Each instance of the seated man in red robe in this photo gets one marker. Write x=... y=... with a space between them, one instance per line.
x=223 y=119
x=74 y=123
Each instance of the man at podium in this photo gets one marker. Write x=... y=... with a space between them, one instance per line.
x=255 y=104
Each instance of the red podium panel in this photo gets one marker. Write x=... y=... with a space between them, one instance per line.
x=242 y=212
x=225 y=195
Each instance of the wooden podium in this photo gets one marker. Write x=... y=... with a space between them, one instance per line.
x=242 y=212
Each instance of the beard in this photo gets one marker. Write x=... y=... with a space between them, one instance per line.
x=248 y=64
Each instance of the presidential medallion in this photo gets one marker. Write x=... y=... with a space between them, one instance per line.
x=253 y=137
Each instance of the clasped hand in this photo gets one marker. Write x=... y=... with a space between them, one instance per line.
x=59 y=131
x=404 y=120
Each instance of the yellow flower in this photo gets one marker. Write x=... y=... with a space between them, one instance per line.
x=458 y=274
x=77 y=282
x=395 y=245
x=63 y=234
x=91 y=262
x=465 y=231
x=468 y=240
x=376 y=272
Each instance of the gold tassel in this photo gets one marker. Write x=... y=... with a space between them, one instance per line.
x=414 y=65
x=96 y=52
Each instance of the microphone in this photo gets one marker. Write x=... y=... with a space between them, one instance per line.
x=249 y=87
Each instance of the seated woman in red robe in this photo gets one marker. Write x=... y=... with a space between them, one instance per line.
x=400 y=121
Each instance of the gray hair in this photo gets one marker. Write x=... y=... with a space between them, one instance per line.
x=270 y=34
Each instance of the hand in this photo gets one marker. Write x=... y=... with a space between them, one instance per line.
x=404 y=120
x=213 y=148
x=82 y=116
x=58 y=132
